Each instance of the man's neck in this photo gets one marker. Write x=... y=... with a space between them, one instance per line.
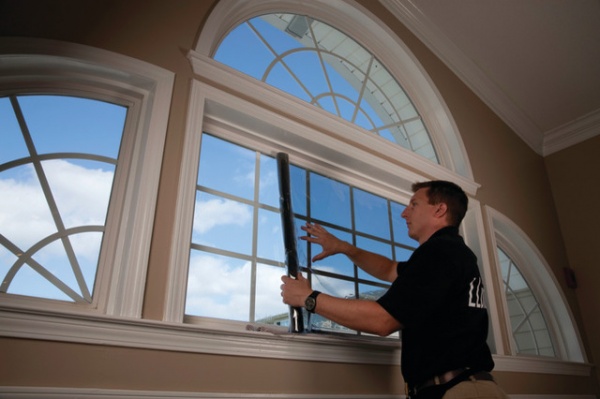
x=431 y=232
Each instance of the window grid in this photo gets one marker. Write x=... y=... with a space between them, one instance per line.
x=324 y=278
x=529 y=329
x=66 y=267
x=323 y=66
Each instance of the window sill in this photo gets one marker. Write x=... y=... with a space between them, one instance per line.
x=147 y=334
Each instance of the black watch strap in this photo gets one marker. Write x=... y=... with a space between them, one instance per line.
x=311 y=301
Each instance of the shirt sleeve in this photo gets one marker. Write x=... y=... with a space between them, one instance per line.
x=421 y=286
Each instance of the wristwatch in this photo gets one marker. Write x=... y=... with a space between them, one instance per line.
x=311 y=301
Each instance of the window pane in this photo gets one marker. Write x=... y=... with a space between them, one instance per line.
x=235 y=166
x=222 y=223
x=218 y=286
x=402 y=254
x=335 y=287
x=333 y=205
x=298 y=187
x=269 y=183
x=371 y=213
x=13 y=146
x=378 y=247
x=59 y=157
x=270 y=235
x=83 y=126
x=530 y=332
x=338 y=264
x=270 y=309
x=243 y=43
x=399 y=225
x=81 y=193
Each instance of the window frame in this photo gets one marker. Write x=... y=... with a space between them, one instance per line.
x=33 y=66
x=250 y=124
x=375 y=36
x=561 y=324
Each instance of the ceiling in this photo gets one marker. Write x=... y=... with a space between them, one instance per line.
x=536 y=63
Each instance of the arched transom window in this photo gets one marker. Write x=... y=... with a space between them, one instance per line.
x=323 y=66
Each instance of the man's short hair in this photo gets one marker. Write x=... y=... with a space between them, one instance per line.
x=440 y=191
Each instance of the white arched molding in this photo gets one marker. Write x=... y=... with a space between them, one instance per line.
x=542 y=281
x=43 y=66
x=359 y=23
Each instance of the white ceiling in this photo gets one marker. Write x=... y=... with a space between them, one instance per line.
x=536 y=63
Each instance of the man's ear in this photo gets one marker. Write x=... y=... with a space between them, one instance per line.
x=442 y=209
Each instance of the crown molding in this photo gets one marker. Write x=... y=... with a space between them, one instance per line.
x=427 y=32
x=572 y=133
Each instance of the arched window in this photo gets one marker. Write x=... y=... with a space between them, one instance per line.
x=82 y=139
x=535 y=307
x=323 y=66
x=228 y=232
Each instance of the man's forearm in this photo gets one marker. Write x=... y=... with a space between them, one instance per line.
x=356 y=314
x=376 y=265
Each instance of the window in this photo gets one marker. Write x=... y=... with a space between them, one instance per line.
x=323 y=66
x=529 y=329
x=82 y=138
x=59 y=156
x=539 y=319
x=237 y=244
x=261 y=120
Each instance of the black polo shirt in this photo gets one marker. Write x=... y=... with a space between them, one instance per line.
x=438 y=298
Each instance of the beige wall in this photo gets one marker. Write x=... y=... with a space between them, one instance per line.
x=575 y=177
x=544 y=197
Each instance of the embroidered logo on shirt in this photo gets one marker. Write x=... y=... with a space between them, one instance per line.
x=476 y=293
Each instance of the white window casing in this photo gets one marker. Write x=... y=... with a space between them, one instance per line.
x=43 y=66
x=542 y=281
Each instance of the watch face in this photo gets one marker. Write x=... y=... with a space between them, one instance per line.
x=310 y=303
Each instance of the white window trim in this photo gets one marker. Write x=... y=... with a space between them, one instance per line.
x=541 y=280
x=352 y=155
x=91 y=329
x=38 y=66
x=373 y=35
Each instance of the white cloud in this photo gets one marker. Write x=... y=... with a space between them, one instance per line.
x=217 y=288
x=216 y=212
x=220 y=287
x=81 y=195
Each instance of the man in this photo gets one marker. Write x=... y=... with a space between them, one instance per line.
x=436 y=298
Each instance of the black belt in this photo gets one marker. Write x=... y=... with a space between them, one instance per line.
x=463 y=373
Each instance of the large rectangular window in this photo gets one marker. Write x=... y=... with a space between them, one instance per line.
x=237 y=255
